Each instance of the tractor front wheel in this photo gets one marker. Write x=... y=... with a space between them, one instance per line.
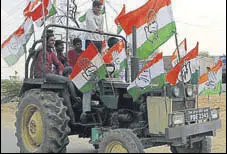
x=120 y=141
x=42 y=123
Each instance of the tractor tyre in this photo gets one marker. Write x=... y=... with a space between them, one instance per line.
x=42 y=123
x=120 y=141
x=203 y=146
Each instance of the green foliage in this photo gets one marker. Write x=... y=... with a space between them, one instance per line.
x=10 y=89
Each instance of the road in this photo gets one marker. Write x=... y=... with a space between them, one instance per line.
x=9 y=143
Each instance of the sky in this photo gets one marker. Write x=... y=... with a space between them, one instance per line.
x=196 y=20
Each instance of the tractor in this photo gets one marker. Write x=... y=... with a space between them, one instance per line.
x=50 y=110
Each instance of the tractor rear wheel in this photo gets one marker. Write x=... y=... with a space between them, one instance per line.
x=42 y=123
x=120 y=141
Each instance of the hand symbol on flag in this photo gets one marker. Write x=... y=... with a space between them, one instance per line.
x=212 y=79
x=143 y=80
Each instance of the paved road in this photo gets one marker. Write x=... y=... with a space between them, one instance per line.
x=76 y=145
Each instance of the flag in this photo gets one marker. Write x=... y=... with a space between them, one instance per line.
x=88 y=70
x=116 y=55
x=154 y=23
x=119 y=28
x=83 y=17
x=30 y=6
x=37 y=14
x=211 y=81
x=12 y=48
x=150 y=77
x=182 y=50
x=174 y=74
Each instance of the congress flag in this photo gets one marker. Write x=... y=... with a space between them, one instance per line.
x=182 y=50
x=183 y=66
x=151 y=76
x=116 y=55
x=211 y=81
x=119 y=29
x=89 y=69
x=154 y=23
x=37 y=14
x=12 y=48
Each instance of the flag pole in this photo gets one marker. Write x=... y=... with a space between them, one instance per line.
x=44 y=41
x=67 y=30
x=178 y=52
x=104 y=6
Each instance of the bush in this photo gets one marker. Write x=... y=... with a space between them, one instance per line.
x=10 y=89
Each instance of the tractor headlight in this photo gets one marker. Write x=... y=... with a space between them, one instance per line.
x=176 y=91
x=214 y=113
x=176 y=119
x=189 y=90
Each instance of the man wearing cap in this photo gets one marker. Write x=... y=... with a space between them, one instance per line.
x=59 y=47
x=94 y=22
x=51 y=58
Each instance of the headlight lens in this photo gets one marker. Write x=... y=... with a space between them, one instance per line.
x=178 y=118
x=214 y=113
x=189 y=90
x=176 y=91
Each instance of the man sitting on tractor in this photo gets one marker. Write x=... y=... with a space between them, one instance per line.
x=51 y=58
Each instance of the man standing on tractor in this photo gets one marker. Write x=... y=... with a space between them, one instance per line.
x=51 y=58
x=94 y=22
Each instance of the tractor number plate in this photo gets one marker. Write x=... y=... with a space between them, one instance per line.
x=197 y=114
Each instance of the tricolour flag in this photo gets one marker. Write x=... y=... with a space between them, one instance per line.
x=154 y=23
x=150 y=77
x=183 y=66
x=37 y=14
x=182 y=50
x=12 y=48
x=116 y=55
x=88 y=70
x=119 y=29
x=211 y=81
x=30 y=6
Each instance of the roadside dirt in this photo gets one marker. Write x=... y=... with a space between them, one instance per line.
x=219 y=141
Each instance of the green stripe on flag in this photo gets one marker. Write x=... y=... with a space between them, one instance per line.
x=12 y=59
x=52 y=11
x=157 y=82
x=122 y=66
x=147 y=48
x=119 y=29
x=91 y=84
x=216 y=90
x=82 y=18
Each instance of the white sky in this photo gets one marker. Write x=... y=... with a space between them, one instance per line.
x=196 y=20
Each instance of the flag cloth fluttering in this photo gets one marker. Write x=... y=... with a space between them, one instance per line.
x=89 y=69
x=182 y=50
x=211 y=81
x=37 y=13
x=150 y=77
x=12 y=48
x=119 y=29
x=116 y=55
x=154 y=23
x=183 y=66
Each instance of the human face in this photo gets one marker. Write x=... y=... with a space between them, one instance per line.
x=97 y=10
x=50 y=42
x=59 y=48
x=78 y=45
